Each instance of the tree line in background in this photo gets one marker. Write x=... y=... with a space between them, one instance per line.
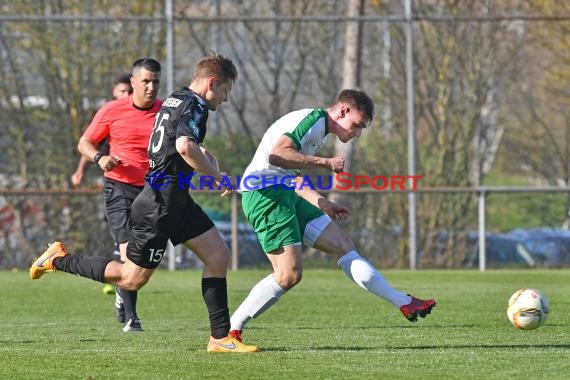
x=491 y=97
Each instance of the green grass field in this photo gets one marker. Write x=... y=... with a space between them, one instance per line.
x=62 y=327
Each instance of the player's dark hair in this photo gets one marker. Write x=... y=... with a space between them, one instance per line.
x=358 y=99
x=215 y=65
x=147 y=63
x=123 y=78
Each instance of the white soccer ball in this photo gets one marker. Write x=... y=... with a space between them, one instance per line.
x=527 y=309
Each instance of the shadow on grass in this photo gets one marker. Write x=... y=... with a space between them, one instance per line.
x=385 y=327
x=471 y=346
x=324 y=348
x=426 y=347
x=29 y=341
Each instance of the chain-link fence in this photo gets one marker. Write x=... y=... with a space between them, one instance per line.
x=28 y=221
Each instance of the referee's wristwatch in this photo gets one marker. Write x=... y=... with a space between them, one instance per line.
x=97 y=157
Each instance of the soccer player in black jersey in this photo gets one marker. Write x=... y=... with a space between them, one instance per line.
x=165 y=210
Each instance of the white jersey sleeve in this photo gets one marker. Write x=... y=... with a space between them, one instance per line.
x=308 y=128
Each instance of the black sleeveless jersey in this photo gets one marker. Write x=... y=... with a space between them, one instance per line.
x=183 y=114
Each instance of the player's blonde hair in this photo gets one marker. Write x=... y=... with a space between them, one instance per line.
x=215 y=65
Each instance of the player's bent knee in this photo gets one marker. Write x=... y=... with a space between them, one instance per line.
x=289 y=280
x=297 y=278
x=130 y=286
x=134 y=286
x=134 y=283
x=219 y=259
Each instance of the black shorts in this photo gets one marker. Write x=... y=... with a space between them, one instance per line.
x=156 y=220
x=119 y=197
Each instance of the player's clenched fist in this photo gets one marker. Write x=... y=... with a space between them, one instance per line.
x=336 y=164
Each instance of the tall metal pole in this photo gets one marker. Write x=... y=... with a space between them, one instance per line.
x=168 y=6
x=412 y=212
x=168 y=11
x=387 y=77
x=482 y=227
x=234 y=233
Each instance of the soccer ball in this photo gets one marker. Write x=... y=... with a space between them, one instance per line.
x=527 y=309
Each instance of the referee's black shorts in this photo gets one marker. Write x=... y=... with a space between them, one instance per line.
x=119 y=197
x=156 y=218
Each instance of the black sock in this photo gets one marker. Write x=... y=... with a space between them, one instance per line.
x=214 y=292
x=129 y=302
x=92 y=267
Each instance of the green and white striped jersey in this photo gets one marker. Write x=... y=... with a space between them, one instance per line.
x=308 y=128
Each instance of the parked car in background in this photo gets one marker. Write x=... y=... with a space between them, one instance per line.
x=526 y=248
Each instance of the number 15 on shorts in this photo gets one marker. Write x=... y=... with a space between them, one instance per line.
x=156 y=255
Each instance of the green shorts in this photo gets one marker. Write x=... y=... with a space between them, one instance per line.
x=278 y=216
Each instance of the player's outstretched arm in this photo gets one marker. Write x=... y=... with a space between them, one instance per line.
x=192 y=153
x=286 y=155
x=210 y=157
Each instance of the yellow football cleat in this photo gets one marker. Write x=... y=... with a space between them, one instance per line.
x=44 y=263
x=229 y=344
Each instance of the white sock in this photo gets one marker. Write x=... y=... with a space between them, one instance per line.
x=261 y=297
x=361 y=272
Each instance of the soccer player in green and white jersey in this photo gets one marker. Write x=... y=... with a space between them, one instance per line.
x=286 y=217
